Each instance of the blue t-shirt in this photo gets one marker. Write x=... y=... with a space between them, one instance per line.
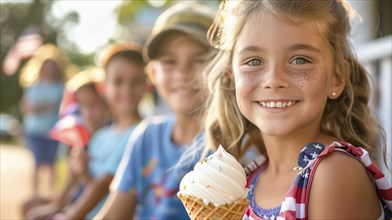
x=106 y=149
x=42 y=94
x=148 y=169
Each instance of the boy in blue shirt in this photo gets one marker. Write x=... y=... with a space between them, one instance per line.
x=125 y=85
x=146 y=182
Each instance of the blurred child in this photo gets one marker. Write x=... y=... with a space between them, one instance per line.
x=82 y=96
x=145 y=186
x=286 y=75
x=125 y=84
x=40 y=105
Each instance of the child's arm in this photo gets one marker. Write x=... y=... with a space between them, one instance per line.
x=119 y=205
x=342 y=189
x=27 y=107
x=43 y=211
x=95 y=190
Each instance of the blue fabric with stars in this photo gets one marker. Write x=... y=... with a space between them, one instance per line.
x=309 y=153
x=148 y=169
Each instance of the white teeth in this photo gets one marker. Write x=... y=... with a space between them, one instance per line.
x=279 y=104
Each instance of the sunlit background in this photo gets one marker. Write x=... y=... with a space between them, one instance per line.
x=81 y=29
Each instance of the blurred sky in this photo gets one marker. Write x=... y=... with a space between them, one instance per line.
x=97 y=21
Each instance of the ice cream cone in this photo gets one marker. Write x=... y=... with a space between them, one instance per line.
x=198 y=210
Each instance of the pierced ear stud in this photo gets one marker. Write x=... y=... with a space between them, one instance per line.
x=334 y=94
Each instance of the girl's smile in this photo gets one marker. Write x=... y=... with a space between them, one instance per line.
x=277 y=105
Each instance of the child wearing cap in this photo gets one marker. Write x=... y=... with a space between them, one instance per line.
x=146 y=184
x=125 y=84
x=40 y=105
x=83 y=112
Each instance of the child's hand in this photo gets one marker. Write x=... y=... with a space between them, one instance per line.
x=43 y=211
x=78 y=163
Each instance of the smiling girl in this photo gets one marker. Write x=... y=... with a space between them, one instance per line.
x=285 y=75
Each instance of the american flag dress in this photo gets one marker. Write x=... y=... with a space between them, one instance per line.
x=296 y=200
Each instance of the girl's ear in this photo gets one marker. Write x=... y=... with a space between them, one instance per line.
x=228 y=78
x=150 y=70
x=229 y=72
x=338 y=84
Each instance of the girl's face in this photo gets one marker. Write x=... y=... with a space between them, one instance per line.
x=125 y=85
x=92 y=107
x=177 y=73
x=283 y=75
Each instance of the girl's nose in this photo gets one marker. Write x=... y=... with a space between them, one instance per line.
x=275 y=78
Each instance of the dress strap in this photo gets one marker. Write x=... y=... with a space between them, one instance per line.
x=253 y=167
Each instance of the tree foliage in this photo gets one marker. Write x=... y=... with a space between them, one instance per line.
x=14 y=18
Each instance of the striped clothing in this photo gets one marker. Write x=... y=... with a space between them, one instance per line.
x=295 y=203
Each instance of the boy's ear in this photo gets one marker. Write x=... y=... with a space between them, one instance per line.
x=150 y=70
x=338 y=84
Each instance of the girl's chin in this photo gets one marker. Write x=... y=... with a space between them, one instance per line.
x=275 y=131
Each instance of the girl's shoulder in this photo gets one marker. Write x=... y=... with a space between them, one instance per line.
x=343 y=180
x=339 y=174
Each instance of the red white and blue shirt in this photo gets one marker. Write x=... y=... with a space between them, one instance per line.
x=296 y=200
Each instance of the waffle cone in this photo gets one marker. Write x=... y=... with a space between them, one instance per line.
x=197 y=210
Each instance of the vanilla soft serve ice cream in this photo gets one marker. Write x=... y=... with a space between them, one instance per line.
x=218 y=179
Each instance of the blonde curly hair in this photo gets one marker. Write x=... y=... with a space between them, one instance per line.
x=347 y=118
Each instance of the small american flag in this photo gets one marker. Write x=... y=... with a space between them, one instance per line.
x=24 y=48
x=70 y=128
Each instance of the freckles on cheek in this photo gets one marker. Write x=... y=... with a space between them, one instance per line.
x=312 y=77
x=245 y=82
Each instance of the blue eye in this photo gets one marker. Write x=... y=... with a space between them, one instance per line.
x=300 y=61
x=254 y=62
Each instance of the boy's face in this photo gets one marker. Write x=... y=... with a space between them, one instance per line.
x=125 y=85
x=177 y=73
x=92 y=107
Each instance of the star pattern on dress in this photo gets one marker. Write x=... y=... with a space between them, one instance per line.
x=314 y=155
x=305 y=159
x=305 y=174
x=318 y=146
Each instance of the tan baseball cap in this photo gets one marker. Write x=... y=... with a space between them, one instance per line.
x=191 y=18
x=115 y=48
